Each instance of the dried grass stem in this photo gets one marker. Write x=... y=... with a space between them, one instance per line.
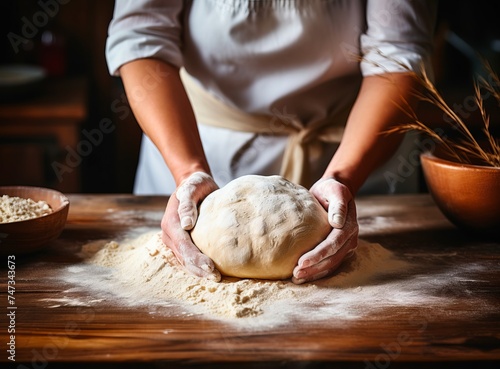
x=467 y=146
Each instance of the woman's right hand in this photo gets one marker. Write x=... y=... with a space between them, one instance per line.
x=180 y=217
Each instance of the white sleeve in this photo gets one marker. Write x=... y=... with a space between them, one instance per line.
x=400 y=30
x=144 y=29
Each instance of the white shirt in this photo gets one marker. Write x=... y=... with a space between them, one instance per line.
x=294 y=57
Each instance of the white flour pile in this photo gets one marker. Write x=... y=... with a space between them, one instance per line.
x=142 y=271
x=14 y=209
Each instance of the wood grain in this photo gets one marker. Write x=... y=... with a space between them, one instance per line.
x=108 y=334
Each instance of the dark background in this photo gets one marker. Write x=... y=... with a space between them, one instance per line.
x=82 y=27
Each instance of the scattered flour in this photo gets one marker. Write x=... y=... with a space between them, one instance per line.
x=66 y=301
x=140 y=272
x=143 y=271
x=15 y=209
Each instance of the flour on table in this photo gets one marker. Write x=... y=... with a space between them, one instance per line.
x=143 y=271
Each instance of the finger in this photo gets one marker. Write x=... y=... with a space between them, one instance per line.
x=187 y=208
x=190 y=193
x=329 y=253
x=170 y=223
x=325 y=249
x=337 y=211
x=191 y=257
x=197 y=263
x=338 y=205
x=186 y=252
x=330 y=246
x=310 y=279
x=330 y=263
x=335 y=197
x=326 y=266
x=188 y=213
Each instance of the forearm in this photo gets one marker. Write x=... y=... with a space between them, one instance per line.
x=365 y=144
x=162 y=109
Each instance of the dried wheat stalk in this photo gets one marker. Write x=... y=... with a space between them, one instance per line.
x=467 y=146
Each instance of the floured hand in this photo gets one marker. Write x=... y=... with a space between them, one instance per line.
x=190 y=193
x=180 y=215
x=342 y=240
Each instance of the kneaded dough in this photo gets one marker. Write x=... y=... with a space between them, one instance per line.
x=259 y=226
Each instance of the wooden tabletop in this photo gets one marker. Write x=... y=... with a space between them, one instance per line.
x=458 y=323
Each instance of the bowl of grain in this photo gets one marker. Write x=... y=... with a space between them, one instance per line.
x=30 y=217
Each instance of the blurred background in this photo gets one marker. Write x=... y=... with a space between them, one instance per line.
x=65 y=123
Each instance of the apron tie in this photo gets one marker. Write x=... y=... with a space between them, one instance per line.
x=304 y=141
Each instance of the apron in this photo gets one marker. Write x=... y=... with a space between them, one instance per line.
x=303 y=140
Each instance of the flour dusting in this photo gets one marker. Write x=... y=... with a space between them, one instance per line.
x=147 y=268
x=143 y=271
x=139 y=272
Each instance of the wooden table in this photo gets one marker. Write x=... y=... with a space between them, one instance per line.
x=466 y=330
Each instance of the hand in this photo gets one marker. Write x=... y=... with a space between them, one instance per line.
x=342 y=240
x=180 y=216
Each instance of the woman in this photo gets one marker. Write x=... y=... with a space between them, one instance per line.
x=226 y=88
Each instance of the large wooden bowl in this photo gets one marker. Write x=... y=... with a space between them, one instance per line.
x=33 y=234
x=468 y=195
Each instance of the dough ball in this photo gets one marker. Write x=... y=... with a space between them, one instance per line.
x=258 y=227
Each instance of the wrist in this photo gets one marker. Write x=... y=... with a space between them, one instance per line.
x=186 y=171
x=346 y=178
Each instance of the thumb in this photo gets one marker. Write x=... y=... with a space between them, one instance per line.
x=189 y=193
x=188 y=211
x=334 y=196
x=337 y=211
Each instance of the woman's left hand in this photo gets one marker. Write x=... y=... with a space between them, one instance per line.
x=342 y=240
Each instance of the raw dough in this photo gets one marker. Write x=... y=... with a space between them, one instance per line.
x=258 y=227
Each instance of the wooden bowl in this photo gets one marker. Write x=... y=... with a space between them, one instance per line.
x=468 y=195
x=33 y=234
